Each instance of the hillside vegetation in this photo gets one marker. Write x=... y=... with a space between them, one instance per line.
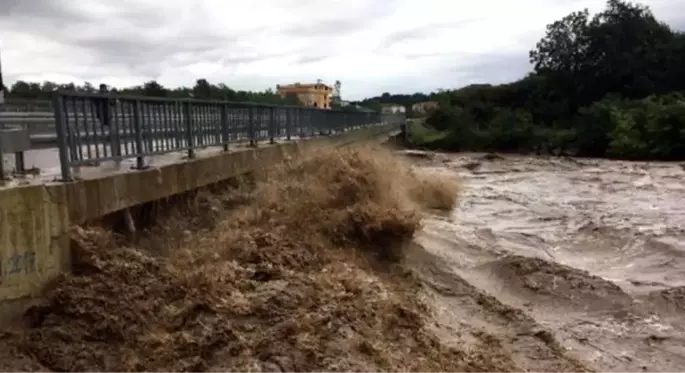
x=603 y=85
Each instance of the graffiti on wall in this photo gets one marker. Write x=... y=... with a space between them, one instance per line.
x=20 y=263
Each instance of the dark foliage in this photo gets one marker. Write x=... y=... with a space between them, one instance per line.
x=202 y=90
x=605 y=85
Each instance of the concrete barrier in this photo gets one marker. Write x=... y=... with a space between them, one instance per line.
x=13 y=140
x=34 y=220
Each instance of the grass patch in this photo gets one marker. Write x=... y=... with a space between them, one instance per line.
x=422 y=136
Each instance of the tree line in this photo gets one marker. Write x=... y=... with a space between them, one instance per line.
x=202 y=89
x=406 y=100
x=606 y=85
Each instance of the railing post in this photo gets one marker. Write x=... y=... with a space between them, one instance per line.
x=224 y=126
x=138 y=128
x=250 y=126
x=190 y=133
x=312 y=122
x=288 y=123
x=300 y=121
x=178 y=133
x=19 y=162
x=115 y=132
x=316 y=127
x=328 y=122
x=272 y=125
x=61 y=128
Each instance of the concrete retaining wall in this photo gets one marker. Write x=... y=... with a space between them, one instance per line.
x=34 y=220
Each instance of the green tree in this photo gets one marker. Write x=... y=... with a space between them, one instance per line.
x=608 y=84
x=626 y=39
x=152 y=88
x=563 y=47
x=202 y=89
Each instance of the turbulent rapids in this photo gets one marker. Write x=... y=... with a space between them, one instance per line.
x=593 y=251
x=303 y=271
x=364 y=260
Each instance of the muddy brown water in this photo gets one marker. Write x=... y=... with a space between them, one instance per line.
x=546 y=264
x=562 y=264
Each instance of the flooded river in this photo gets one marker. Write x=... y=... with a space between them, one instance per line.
x=544 y=264
x=593 y=251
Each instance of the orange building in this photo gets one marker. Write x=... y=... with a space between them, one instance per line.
x=316 y=95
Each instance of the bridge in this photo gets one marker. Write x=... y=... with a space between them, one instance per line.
x=150 y=149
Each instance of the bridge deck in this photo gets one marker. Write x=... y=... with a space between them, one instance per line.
x=45 y=162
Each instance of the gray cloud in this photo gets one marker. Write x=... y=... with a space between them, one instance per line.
x=140 y=51
x=334 y=25
x=493 y=68
x=134 y=48
x=36 y=11
x=303 y=60
x=422 y=32
x=419 y=56
x=317 y=28
x=94 y=40
x=678 y=24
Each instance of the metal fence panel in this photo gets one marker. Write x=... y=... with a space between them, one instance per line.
x=91 y=128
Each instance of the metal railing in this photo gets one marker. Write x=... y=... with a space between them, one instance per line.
x=26 y=106
x=92 y=128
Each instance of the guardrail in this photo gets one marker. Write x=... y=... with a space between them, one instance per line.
x=41 y=125
x=92 y=128
x=19 y=105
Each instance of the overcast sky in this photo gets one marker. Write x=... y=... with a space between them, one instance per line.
x=371 y=46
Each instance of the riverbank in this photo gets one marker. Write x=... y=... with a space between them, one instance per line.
x=423 y=137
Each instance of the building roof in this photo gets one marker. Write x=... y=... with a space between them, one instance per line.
x=300 y=85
